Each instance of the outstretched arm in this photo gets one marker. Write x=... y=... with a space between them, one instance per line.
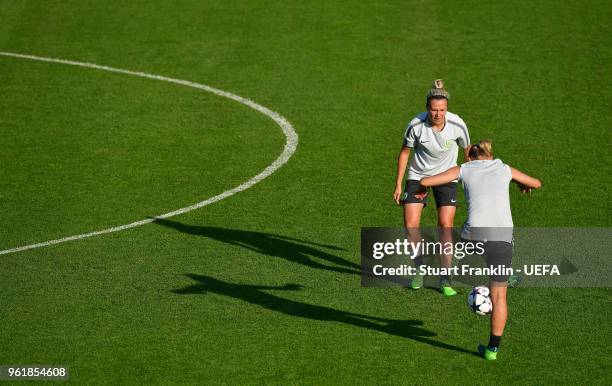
x=526 y=183
x=442 y=178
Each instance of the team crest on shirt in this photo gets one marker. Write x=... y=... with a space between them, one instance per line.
x=447 y=145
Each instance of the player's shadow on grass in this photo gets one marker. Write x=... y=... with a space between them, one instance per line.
x=291 y=249
x=255 y=294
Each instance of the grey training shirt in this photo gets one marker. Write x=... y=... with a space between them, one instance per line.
x=486 y=186
x=434 y=152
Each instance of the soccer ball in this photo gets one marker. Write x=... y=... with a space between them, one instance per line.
x=479 y=300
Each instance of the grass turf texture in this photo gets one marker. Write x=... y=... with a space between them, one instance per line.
x=192 y=300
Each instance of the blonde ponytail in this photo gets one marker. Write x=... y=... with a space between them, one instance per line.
x=482 y=149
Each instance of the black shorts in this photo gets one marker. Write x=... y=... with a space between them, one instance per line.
x=498 y=255
x=445 y=195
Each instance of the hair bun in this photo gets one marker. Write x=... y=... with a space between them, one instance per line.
x=437 y=90
x=438 y=83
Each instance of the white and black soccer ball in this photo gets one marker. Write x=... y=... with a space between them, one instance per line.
x=479 y=300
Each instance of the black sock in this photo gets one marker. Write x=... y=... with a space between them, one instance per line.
x=444 y=279
x=494 y=341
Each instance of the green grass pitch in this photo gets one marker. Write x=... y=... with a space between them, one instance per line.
x=262 y=287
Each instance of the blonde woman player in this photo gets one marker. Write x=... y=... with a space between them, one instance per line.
x=486 y=185
x=435 y=137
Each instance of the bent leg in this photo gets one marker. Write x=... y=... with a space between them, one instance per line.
x=412 y=220
x=412 y=215
x=446 y=217
x=500 y=307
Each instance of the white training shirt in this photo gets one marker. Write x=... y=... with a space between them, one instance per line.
x=434 y=152
x=486 y=186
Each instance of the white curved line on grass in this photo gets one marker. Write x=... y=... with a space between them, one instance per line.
x=290 y=147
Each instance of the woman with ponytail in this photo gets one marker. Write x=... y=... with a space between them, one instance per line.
x=486 y=185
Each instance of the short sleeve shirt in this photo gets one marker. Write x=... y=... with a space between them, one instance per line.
x=434 y=152
x=486 y=187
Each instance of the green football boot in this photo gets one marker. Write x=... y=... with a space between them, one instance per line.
x=446 y=289
x=487 y=353
x=416 y=282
